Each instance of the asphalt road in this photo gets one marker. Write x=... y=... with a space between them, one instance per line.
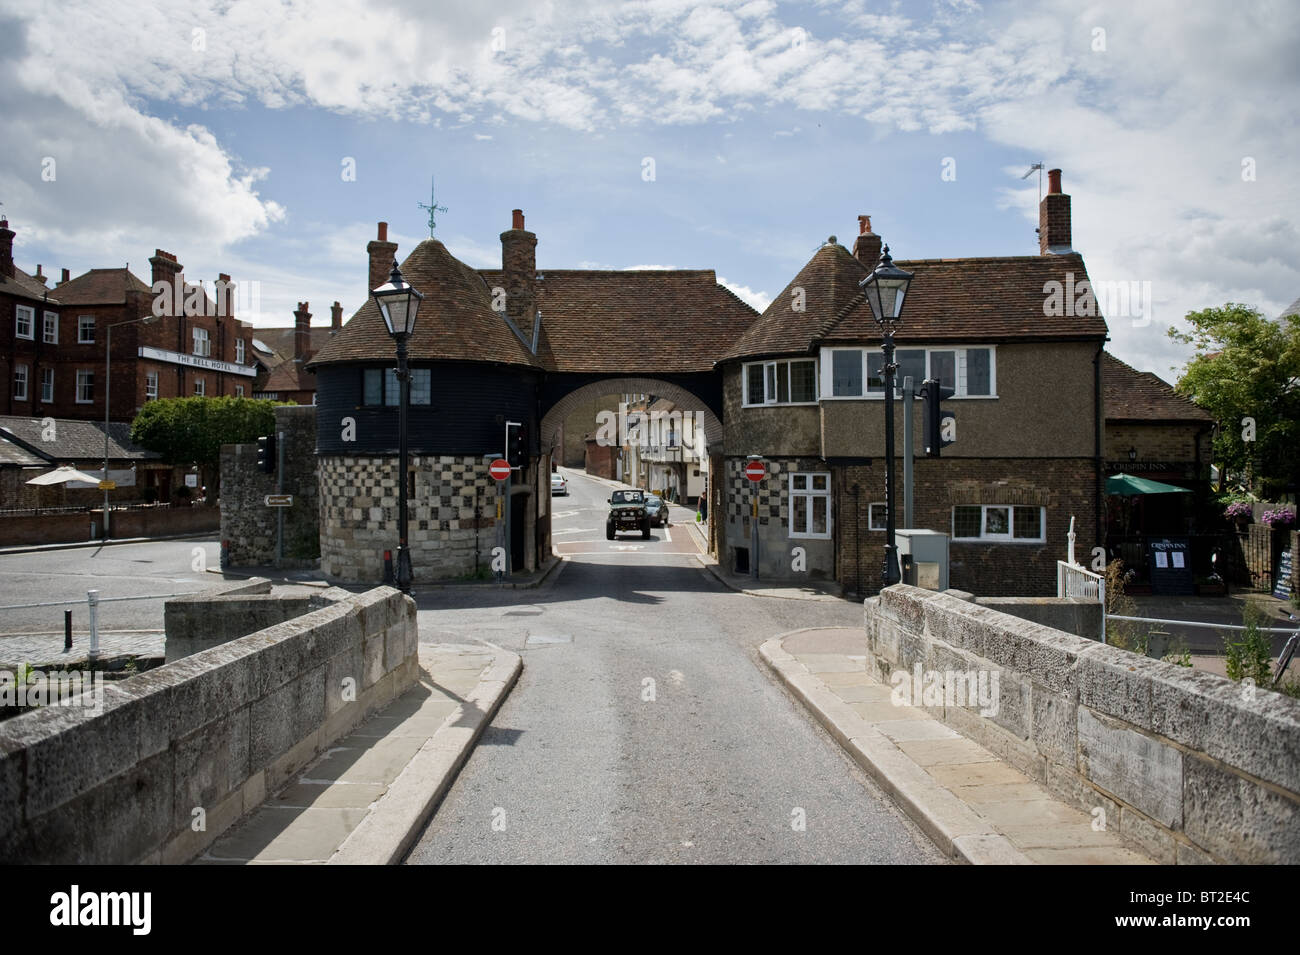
x=644 y=727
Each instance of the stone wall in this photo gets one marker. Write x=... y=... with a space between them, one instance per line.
x=204 y=739
x=776 y=558
x=248 y=526
x=227 y=613
x=1190 y=766
x=451 y=514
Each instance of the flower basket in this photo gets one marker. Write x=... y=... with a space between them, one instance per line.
x=1280 y=518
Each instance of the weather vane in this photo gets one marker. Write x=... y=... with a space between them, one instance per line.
x=433 y=207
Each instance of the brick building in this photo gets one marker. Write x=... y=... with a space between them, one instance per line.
x=52 y=342
x=282 y=354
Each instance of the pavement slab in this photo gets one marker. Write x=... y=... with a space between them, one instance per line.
x=973 y=804
x=365 y=799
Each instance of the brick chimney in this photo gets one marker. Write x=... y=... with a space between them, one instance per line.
x=519 y=263
x=67 y=277
x=866 y=247
x=224 y=295
x=336 y=317
x=1054 y=218
x=302 y=333
x=40 y=276
x=382 y=254
x=6 y=249
x=165 y=268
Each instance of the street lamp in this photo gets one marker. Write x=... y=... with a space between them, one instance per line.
x=886 y=289
x=108 y=386
x=399 y=302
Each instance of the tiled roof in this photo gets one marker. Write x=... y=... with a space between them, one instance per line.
x=1132 y=395
x=1292 y=309
x=977 y=300
x=25 y=286
x=829 y=282
x=75 y=440
x=598 y=321
x=280 y=341
x=456 y=320
x=13 y=456
x=100 y=287
x=290 y=376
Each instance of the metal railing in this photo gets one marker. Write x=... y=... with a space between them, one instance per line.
x=1072 y=580
x=93 y=600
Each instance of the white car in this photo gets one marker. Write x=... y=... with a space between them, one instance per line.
x=559 y=485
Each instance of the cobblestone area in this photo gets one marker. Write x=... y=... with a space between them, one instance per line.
x=45 y=649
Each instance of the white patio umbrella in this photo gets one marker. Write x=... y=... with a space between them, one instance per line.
x=64 y=474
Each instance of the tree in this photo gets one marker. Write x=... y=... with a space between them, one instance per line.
x=1246 y=373
x=192 y=430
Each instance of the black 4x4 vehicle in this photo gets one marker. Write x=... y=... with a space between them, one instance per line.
x=627 y=512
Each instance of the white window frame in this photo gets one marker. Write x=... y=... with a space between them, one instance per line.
x=51 y=323
x=21 y=378
x=809 y=493
x=871 y=524
x=827 y=369
x=1009 y=537
x=47 y=384
x=200 y=388
x=151 y=386
x=239 y=391
x=771 y=369
x=202 y=342
x=239 y=351
x=27 y=313
x=85 y=376
x=85 y=322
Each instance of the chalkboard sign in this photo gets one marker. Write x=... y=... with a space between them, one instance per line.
x=1171 y=566
x=1282 y=589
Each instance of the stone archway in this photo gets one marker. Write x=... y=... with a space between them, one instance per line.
x=679 y=395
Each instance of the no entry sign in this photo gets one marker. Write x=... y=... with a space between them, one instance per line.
x=499 y=469
x=755 y=471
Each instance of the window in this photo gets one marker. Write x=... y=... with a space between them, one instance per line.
x=781 y=382
x=380 y=387
x=24 y=323
x=47 y=384
x=846 y=373
x=51 y=331
x=239 y=391
x=85 y=387
x=998 y=522
x=239 y=351
x=85 y=329
x=968 y=371
x=202 y=345
x=810 y=505
x=199 y=388
x=151 y=386
x=20 y=382
x=877 y=516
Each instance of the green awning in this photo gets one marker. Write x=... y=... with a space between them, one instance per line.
x=1126 y=485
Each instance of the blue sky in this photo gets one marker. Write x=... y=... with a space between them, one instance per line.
x=219 y=132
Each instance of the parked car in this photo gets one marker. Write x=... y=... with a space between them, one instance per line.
x=559 y=485
x=657 y=508
x=627 y=512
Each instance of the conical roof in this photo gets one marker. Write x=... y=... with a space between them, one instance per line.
x=456 y=321
x=824 y=286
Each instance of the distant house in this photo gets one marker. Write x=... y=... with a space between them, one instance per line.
x=282 y=355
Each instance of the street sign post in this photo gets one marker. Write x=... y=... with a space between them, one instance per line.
x=755 y=471
x=499 y=469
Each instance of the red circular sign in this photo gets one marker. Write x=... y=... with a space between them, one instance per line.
x=499 y=469
x=755 y=471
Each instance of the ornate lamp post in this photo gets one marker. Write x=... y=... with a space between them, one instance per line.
x=398 y=302
x=886 y=289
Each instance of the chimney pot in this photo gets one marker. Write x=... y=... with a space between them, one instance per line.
x=1053 y=182
x=336 y=316
x=864 y=225
x=222 y=276
x=517 y=219
x=383 y=232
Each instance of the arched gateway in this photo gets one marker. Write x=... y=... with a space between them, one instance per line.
x=490 y=346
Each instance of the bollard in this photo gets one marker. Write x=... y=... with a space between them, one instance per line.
x=67 y=631
x=92 y=599
x=388 y=567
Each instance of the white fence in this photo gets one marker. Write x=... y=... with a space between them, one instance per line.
x=1072 y=580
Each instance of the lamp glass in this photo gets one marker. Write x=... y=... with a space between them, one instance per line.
x=398 y=303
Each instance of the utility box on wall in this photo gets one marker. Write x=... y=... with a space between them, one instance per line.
x=923 y=558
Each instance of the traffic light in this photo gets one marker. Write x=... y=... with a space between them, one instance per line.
x=940 y=425
x=266 y=454
x=516 y=445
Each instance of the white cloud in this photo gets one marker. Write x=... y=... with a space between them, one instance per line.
x=759 y=301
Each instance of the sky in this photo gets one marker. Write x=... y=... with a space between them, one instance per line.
x=266 y=140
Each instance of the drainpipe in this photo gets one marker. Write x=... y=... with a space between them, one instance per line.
x=1098 y=468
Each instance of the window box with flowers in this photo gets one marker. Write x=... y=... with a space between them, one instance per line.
x=1279 y=518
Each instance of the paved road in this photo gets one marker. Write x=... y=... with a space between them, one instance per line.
x=644 y=728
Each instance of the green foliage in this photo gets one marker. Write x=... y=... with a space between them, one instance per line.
x=1247 y=366
x=192 y=430
x=1252 y=655
x=1122 y=633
